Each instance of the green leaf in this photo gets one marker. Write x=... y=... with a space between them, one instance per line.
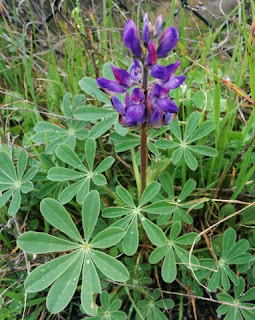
x=214 y=281
x=160 y=207
x=187 y=239
x=177 y=155
x=99 y=179
x=90 y=152
x=127 y=144
x=131 y=238
x=69 y=192
x=166 y=144
x=66 y=154
x=114 y=212
x=192 y=124
x=154 y=233
x=89 y=85
x=112 y=268
x=59 y=218
x=107 y=238
x=44 y=275
x=169 y=271
x=107 y=71
x=21 y=164
x=36 y=242
x=64 y=174
x=206 y=151
x=101 y=127
x=249 y=295
x=15 y=203
x=175 y=230
x=175 y=128
x=7 y=166
x=190 y=159
x=202 y=131
x=167 y=183
x=83 y=191
x=30 y=173
x=149 y=193
x=63 y=289
x=90 y=212
x=6 y=196
x=105 y=300
x=229 y=239
x=124 y=195
x=90 y=285
x=26 y=186
x=188 y=187
x=104 y=165
x=91 y=113
x=158 y=254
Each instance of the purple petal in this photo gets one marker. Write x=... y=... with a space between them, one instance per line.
x=136 y=71
x=167 y=105
x=128 y=101
x=118 y=106
x=174 y=82
x=160 y=91
x=159 y=72
x=131 y=38
x=137 y=96
x=146 y=29
x=171 y=68
x=158 y=26
x=136 y=115
x=110 y=86
x=156 y=115
x=167 y=41
x=169 y=117
x=121 y=76
x=152 y=57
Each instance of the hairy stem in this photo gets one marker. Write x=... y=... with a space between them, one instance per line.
x=143 y=143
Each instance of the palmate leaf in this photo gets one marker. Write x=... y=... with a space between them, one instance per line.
x=14 y=180
x=171 y=252
x=52 y=134
x=63 y=273
x=79 y=171
x=184 y=149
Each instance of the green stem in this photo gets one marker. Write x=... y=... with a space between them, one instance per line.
x=137 y=174
x=144 y=156
x=133 y=303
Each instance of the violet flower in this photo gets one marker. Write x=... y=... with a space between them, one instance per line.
x=148 y=104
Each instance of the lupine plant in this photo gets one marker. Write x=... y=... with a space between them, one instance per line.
x=120 y=231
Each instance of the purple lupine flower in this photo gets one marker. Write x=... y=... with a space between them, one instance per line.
x=149 y=102
x=131 y=38
x=151 y=59
x=158 y=26
x=134 y=112
x=122 y=84
x=167 y=41
x=146 y=29
x=136 y=71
